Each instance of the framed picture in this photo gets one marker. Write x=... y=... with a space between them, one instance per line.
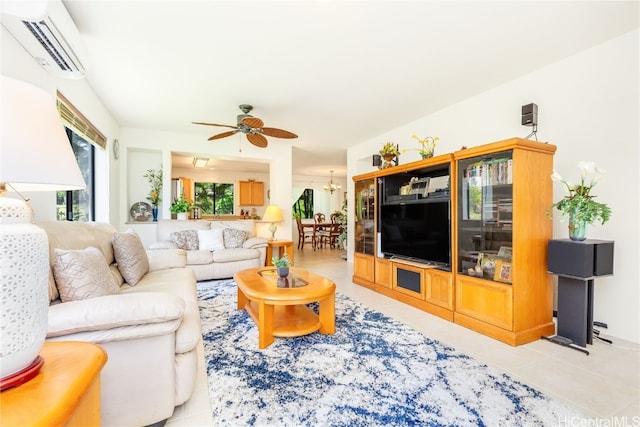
x=502 y=272
x=505 y=252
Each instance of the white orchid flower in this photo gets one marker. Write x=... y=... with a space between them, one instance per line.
x=586 y=168
x=555 y=176
x=598 y=173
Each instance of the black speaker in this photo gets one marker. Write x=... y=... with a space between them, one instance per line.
x=530 y=115
x=585 y=259
x=377 y=160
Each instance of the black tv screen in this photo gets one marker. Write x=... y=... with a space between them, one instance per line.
x=417 y=231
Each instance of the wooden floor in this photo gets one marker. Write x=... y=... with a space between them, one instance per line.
x=605 y=384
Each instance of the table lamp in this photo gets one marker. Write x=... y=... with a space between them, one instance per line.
x=35 y=155
x=273 y=214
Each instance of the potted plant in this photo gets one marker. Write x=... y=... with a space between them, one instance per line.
x=154 y=178
x=579 y=205
x=180 y=207
x=282 y=265
x=427 y=146
x=389 y=152
x=342 y=220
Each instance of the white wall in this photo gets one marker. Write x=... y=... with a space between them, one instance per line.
x=17 y=63
x=159 y=145
x=588 y=107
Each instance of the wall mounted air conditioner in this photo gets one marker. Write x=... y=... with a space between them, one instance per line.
x=45 y=29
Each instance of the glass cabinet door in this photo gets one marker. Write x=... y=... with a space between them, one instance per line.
x=365 y=217
x=485 y=214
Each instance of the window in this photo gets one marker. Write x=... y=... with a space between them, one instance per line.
x=214 y=198
x=303 y=207
x=78 y=205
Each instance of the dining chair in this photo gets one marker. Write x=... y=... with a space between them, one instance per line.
x=330 y=234
x=305 y=232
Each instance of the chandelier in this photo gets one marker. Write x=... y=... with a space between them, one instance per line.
x=332 y=186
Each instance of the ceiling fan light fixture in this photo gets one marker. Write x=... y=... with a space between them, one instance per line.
x=332 y=186
x=200 y=162
x=252 y=127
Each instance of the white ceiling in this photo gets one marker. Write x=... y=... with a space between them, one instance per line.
x=334 y=72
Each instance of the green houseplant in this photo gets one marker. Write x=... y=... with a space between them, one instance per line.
x=282 y=265
x=579 y=205
x=342 y=220
x=180 y=207
x=154 y=178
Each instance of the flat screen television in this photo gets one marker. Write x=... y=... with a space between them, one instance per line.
x=418 y=231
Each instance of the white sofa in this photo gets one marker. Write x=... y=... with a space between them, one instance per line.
x=150 y=331
x=210 y=255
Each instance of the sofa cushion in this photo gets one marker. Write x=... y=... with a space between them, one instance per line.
x=255 y=242
x=76 y=235
x=235 y=254
x=210 y=240
x=199 y=257
x=185 y=239
x=248 y=225
x=234 y=237
x=167 y=226
x=130 y=255
x=82 y=274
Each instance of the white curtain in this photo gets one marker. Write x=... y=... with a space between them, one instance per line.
x=296 y=192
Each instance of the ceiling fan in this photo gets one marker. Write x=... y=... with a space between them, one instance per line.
x=251 y=126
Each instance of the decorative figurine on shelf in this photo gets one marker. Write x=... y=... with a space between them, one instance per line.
x=389 y=153
x=579 y=206
x=154 y=178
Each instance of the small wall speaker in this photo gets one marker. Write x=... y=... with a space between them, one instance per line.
x=530 y=115
x=377 y=160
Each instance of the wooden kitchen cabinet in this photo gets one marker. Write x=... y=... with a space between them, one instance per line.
x=251 y=193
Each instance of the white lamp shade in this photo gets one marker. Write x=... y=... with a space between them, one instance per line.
x=35 y=153
x=272 y=214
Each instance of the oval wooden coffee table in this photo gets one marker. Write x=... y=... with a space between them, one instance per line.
x=278 y=306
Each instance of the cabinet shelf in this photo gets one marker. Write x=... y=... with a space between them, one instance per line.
x=509 y=296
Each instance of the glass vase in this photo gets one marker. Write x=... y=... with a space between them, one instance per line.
x=577 y=229
x=154 y=211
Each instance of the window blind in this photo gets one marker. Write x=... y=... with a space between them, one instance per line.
x=74 y=119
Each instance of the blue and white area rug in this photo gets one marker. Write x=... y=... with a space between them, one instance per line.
x=374 y=371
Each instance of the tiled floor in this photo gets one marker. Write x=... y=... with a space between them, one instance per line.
x=603 y=385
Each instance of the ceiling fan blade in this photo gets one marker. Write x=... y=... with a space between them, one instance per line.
x=215 y=124
x=222 y=135
x=252 y=122
x=278 y=133
x=257 y=140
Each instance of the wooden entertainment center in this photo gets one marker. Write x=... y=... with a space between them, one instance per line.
x=485 y=266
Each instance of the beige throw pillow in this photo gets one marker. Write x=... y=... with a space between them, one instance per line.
x=186 y=239
x=130 y=255
x=82 y=274
x=233 y=238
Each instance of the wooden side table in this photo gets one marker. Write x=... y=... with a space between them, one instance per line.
x=65 y=392
x=281 y=246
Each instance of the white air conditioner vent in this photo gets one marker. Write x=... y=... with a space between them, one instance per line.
x=52 y=40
